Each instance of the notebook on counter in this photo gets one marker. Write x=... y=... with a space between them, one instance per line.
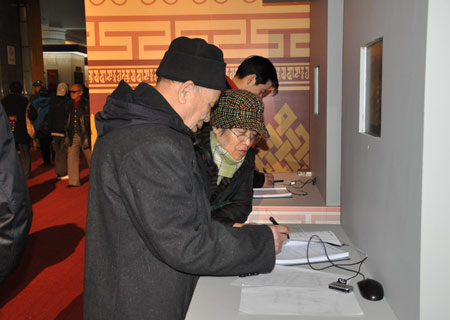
x=259 y=193
x=294 y=252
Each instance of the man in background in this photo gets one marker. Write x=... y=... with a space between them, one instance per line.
x=259 y=76
x=149 y=233
x=15 y=105
x=56 y=123
x=37 y=86
x=77 y=133
x=15 y=205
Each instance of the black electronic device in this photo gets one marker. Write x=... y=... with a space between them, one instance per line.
x=341 y=285
x=371 y=289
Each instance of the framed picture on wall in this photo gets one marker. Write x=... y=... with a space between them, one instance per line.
x=370 y=88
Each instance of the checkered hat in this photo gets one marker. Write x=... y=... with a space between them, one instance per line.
x=239 y=109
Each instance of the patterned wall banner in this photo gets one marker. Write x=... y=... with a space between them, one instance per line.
x=127 y=39
x=292 y=76
x=238 y=35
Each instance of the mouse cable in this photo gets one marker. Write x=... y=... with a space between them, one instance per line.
x=336 y=265
x=332 y=264
x=299 y=184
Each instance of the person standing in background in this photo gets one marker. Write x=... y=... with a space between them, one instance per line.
x=15 y=105
x=77 y=133
x=37 y=86
x=56 y=123
x=40 y=104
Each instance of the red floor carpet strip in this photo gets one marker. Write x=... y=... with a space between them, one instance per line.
x=48 y=283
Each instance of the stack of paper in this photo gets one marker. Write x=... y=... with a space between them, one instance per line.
x=295 y=252
x=296 y=292
x=259 y=193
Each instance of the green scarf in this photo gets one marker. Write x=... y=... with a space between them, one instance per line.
x=223 y=160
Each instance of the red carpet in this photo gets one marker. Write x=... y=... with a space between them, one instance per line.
x=49 y=281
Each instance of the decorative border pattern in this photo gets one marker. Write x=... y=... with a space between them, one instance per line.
x=113 y=38
x=168 y=2
x=291 y=76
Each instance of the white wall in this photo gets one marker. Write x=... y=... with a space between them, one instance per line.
x=382 y=177
x=325 y=128
x=318 y=123
x=334 y=101
x=434 y=279
x=65 y=63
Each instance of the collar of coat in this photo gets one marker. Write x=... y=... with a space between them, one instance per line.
x=143 y=105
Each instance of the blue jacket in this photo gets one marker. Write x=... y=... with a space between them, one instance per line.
x=41 y=106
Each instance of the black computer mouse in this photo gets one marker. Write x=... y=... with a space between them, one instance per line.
x=371 y=289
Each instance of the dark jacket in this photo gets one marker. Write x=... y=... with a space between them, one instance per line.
x=149 y=233
x=57 y=114
x=231 y=200
x=85 y=123
x=15 y=106
x=15 y=205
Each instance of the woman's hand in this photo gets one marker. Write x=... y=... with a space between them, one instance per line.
x=268 y=180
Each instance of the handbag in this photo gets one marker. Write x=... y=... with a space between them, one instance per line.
x=30 y=127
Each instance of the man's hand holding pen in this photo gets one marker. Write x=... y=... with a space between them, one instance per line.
x=280 y=234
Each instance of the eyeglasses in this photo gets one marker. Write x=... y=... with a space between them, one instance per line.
x=74 y=91
x=241 y=135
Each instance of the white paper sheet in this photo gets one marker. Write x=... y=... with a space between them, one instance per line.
x=296 y=233
x=283 y=276
x=298 y=301
x=295 y=291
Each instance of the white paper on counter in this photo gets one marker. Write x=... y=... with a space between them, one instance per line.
x=298 y=301
x=283 y=276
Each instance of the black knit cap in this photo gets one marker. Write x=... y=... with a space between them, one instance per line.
x=195 y=60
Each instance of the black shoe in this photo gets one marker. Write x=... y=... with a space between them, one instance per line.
x=71 y=186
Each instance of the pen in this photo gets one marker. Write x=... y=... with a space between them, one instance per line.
x=275 y=181
x=275 y=223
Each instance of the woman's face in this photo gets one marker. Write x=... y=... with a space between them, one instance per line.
x=235 y=141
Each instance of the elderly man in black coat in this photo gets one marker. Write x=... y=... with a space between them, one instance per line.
x=149 y=231
x=15 y=205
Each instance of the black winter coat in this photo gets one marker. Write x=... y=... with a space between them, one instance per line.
x=149 y=233
x=15 y=205
x=15 y=106
x=231 y=200
x=85 y=123
x=57 y=114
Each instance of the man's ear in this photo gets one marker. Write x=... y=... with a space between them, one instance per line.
x=251 y=79
x=186 y=91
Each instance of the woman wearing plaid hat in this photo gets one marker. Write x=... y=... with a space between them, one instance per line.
x=237 y=122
